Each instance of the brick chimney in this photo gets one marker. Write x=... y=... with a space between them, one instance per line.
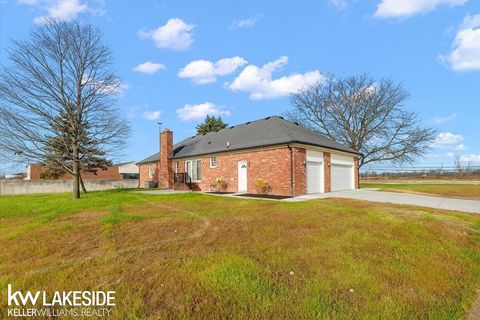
x=165 y=179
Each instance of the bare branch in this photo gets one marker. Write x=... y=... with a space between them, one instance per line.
x=365 y=115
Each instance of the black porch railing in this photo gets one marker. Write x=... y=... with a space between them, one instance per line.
x=182 y=177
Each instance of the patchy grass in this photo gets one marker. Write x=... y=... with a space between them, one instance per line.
x=467 y=191
x=198 y=256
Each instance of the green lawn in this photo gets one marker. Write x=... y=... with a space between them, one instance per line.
x=200 y=256
x=468 y=191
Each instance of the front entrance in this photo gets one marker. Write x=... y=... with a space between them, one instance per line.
x=314 y=177
x=242 y=176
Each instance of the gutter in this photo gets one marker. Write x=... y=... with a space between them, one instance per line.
x=292 y=185
x=174 y=157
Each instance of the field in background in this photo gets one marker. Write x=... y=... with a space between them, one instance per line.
x=193 y=255
x=464 y=191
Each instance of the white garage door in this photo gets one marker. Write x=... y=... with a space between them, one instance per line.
x=342 y=177
x=314 y=177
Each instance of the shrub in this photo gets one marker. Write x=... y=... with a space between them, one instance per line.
x=263 y=185
x=221 y=183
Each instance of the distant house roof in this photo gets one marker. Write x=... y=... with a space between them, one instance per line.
x=153 y=158
x=122 y=163
x=265 y=132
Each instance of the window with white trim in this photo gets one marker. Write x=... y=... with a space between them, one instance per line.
x=193 y=169
x=213 y=162
x=150 y=171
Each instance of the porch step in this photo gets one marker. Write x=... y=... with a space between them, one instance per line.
x=180 y=186
x=195 y=187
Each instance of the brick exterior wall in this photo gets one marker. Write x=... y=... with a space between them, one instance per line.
x=166 y=167
x=111 y=173
x=273 y=165
x=144 y=176
x=300 y=171
x=355 y=172
x=328 y=170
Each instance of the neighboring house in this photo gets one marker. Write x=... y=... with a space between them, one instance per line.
x=128 y=170
x=293 y=160
x=121 y=171
x=16 y=176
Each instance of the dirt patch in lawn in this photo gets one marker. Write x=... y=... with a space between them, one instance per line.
x=86 y=215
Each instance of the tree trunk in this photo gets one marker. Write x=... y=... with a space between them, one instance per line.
x=76 y=182
x=76 y=174
x=84 y=190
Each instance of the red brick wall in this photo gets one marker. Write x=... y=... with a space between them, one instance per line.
x=327 y=168
x=35 y=171
x=300 y=171
x=111 y=173
x=144 y=172
x=273 y=165
x=166 y=168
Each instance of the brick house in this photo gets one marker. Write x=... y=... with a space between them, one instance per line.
x=291 y=159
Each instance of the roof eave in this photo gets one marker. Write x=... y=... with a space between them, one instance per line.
x=263 y=146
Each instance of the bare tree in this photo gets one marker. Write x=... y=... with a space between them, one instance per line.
x=460 y=168
x=57 y=99
x=366 y=115
x=458 y=164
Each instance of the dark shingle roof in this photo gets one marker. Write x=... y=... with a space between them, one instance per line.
x=153 y=158
x=260 y=133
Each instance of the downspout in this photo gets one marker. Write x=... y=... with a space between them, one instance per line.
x=292 y=191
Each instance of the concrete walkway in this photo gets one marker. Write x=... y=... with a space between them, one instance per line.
x=399 y=198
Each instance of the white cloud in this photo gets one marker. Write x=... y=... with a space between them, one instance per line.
x=465 y=54
x=131 y=112
x=461 y=147
x=64 y=10
x=442 y=120
x=339 y=4
x=470 y=158
x=406 y=8
x=118 y=88
x=176 y=34
x=200 y=111
x=246 y=23
x=441 y=155
x=259 y=83
x=149 y=67
x=446 y=139
x=204 y=71
x=121 y=89
x=152 y=115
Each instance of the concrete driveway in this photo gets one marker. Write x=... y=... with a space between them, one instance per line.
x=400 y=198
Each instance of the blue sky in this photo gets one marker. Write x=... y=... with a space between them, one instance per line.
x=180 y=60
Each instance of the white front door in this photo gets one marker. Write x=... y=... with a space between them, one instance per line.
x=242 y=176
x=342 y=177
x=314 y=177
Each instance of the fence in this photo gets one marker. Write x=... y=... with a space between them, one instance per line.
x=16 y=187
x=420 y=173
